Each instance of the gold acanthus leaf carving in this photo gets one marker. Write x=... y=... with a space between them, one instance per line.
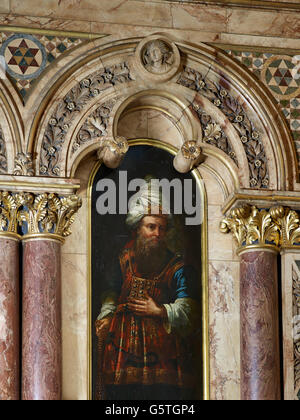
x=9 y=207
x=288 y=222
x=35 y=211
x=261 y=228
x=63 y=210
x=279 y=226
x=250 y=225
x=236 y=223
x=49 y=213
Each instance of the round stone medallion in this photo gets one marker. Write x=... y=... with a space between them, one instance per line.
x=24 y=55
x=157 y=58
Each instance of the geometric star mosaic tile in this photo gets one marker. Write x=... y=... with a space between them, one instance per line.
x=27 y=56
x=276 y=72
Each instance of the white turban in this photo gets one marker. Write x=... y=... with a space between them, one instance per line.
x=148 y=201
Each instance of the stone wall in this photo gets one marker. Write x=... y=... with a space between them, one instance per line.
x=45 y=45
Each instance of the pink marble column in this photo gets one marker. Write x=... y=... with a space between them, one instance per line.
x=9 y=319
x=260 y=354
x=41 y=347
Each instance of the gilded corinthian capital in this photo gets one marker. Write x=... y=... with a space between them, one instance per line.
x=288 y=223
x=9 y=209
x=278 y=226
x=251 y=226
x=48 y=214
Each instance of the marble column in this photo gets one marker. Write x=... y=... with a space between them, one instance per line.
x=47 y=218
x=259 y=234
x=260 y=349
x=9 y=317
x=41 y=357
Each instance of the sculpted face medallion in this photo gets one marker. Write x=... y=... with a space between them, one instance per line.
x=157 y=57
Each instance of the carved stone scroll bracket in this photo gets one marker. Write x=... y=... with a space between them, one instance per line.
x=112 y=151
x=188 y=156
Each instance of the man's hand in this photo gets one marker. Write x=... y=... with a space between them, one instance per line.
x=146 y=307
x=102 y=324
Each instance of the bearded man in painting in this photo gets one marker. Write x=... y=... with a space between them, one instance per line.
x=150 y=314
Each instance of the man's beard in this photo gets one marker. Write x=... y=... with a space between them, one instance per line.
x=150 y=255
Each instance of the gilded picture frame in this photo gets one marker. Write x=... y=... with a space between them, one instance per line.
x=204 y=271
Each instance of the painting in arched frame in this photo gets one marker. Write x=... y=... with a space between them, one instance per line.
x=148 y=304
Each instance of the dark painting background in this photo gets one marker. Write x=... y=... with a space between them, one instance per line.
x=110 y=234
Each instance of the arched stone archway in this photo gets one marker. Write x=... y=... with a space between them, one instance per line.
x=222 y=99
x=102 y=91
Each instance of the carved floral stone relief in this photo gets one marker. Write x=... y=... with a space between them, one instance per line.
x=95 y=125
x=3 y=156
x=24 y=164
x=249 y=135
x=213 y=133
x=73 y=103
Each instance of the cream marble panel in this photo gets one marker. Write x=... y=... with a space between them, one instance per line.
x=104 y=11
x=259 y=41
x=162 y=128
x=215 y=194
x=224 y=330
x=219 y=245
x=76 y=243
x=74 y=326
x=134 y=125
x=124 y=31
x=199 y=17
x=269 y=23
x=84 y=172
x=149 y=124
x=4 y=6
x=129 y=30
x=49 y=22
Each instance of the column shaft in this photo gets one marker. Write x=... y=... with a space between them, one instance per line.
x=41 y=357
x=260 y=354
x=9 y=319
